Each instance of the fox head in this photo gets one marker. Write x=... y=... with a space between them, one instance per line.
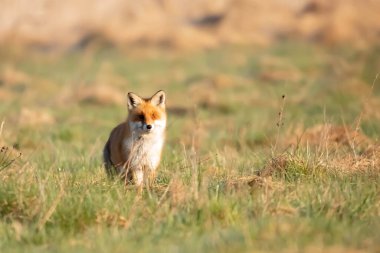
x=147 y=115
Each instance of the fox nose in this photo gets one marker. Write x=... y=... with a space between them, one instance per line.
x=149 y=127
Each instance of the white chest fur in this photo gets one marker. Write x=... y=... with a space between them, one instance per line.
x=144 y=151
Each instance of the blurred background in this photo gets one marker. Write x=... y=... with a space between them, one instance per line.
x=228 y=62
x=75 y=25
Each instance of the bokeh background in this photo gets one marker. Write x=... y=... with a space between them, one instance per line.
x=199 y=24
x=273 y=125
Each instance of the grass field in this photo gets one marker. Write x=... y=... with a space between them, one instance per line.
x=272 y=149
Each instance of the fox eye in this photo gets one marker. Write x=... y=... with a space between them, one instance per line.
x=140 y=117
x=154 y=116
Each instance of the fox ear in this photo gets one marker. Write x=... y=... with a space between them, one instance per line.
x=158 y=99
x=133 y=100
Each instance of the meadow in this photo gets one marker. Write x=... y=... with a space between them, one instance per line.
x=270 y=149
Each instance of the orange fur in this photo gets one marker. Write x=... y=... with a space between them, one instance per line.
x=134 y=147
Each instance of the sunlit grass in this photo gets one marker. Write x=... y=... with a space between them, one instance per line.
x=224 y=185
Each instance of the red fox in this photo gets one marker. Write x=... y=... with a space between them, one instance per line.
x=133 y=150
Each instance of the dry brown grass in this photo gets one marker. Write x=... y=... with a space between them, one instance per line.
x=335 y=22
x=35 y=117
x=331 y=135
x=9 y=156
x=336 y=149
x=99 y=94
x=11 y=76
